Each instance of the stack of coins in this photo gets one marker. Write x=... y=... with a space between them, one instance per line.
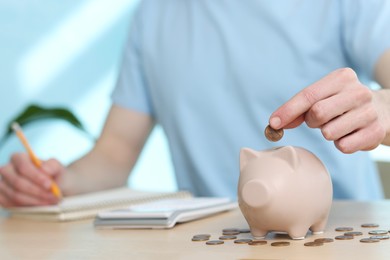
x=201 y=237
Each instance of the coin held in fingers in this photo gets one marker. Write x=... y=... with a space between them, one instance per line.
x=273 y=135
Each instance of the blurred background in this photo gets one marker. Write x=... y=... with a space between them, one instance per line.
x=67 y=53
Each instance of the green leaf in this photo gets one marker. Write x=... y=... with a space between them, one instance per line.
x=34 y=113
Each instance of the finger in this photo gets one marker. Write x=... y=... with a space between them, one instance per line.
x=364 y=139
x=19 y=199
x=299 y=104
x=297 y=121
x=4 y=202
x=23 y=185
x=26 y=168
x=349 y=122
x=326 y=110
x=52 y=167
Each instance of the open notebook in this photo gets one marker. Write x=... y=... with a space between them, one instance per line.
x=89 y=205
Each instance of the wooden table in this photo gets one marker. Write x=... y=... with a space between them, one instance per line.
x=22 y=239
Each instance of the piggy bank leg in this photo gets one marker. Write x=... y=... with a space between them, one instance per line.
x=258 y=233
x=298 y=233
x=319 y=227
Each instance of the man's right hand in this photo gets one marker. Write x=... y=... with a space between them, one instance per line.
x=23 y=184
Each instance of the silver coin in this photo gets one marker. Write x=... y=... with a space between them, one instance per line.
x=231 y=237
x=344 y=237
x=257 y=242
x=242 y=241
x=378 y=232
x=380 y=237
x=353 y=233
x=198 y=239
x=369 y=240
x=370 y=225
x=214 y=242
x=230 y=230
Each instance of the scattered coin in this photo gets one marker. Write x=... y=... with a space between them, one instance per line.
x=314 y=243
x=324 y=240
x=344 y=237
x=231 y=237
x=230 y=230
x=231 y=233
x=245 y=230
x=257 y=242
x=370 y=225
x=242 y=241
x=353 y=233
x=378 y=232
x=272 y=134
x=369 y=240
x=214 y=242
x=198 y=239
x=281 y=243
x=202 y=235
x=380 y=237
x=344 y=229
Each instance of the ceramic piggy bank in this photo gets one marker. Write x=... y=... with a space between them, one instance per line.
x=285 y=189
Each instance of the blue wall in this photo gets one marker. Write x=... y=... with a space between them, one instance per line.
x=67 y=53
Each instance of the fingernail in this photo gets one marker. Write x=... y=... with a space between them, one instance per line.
x=275 y=122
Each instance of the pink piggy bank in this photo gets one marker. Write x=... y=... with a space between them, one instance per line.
x=285 y=189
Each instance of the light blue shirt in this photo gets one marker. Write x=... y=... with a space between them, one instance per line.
x=212 y=72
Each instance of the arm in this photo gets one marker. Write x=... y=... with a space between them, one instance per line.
x=109 y=163
x=345 y=110
x=382 y=76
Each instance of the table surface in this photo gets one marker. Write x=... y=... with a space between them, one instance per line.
x=26 y=239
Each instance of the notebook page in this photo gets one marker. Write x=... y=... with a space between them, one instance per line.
x=100 y=200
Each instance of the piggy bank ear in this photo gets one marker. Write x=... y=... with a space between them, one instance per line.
x=288 y=154
x=246 y=155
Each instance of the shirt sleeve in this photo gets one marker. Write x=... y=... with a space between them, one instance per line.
x=366 y=33
x=131 y=90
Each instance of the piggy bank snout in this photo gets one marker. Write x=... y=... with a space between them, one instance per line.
x=255 y=193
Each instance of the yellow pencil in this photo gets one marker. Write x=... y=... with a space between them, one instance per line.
x=19 y=133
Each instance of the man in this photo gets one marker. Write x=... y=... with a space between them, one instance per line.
x=213 y=74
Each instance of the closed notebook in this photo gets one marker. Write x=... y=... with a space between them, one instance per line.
x=89 y=205
x=164 y=213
